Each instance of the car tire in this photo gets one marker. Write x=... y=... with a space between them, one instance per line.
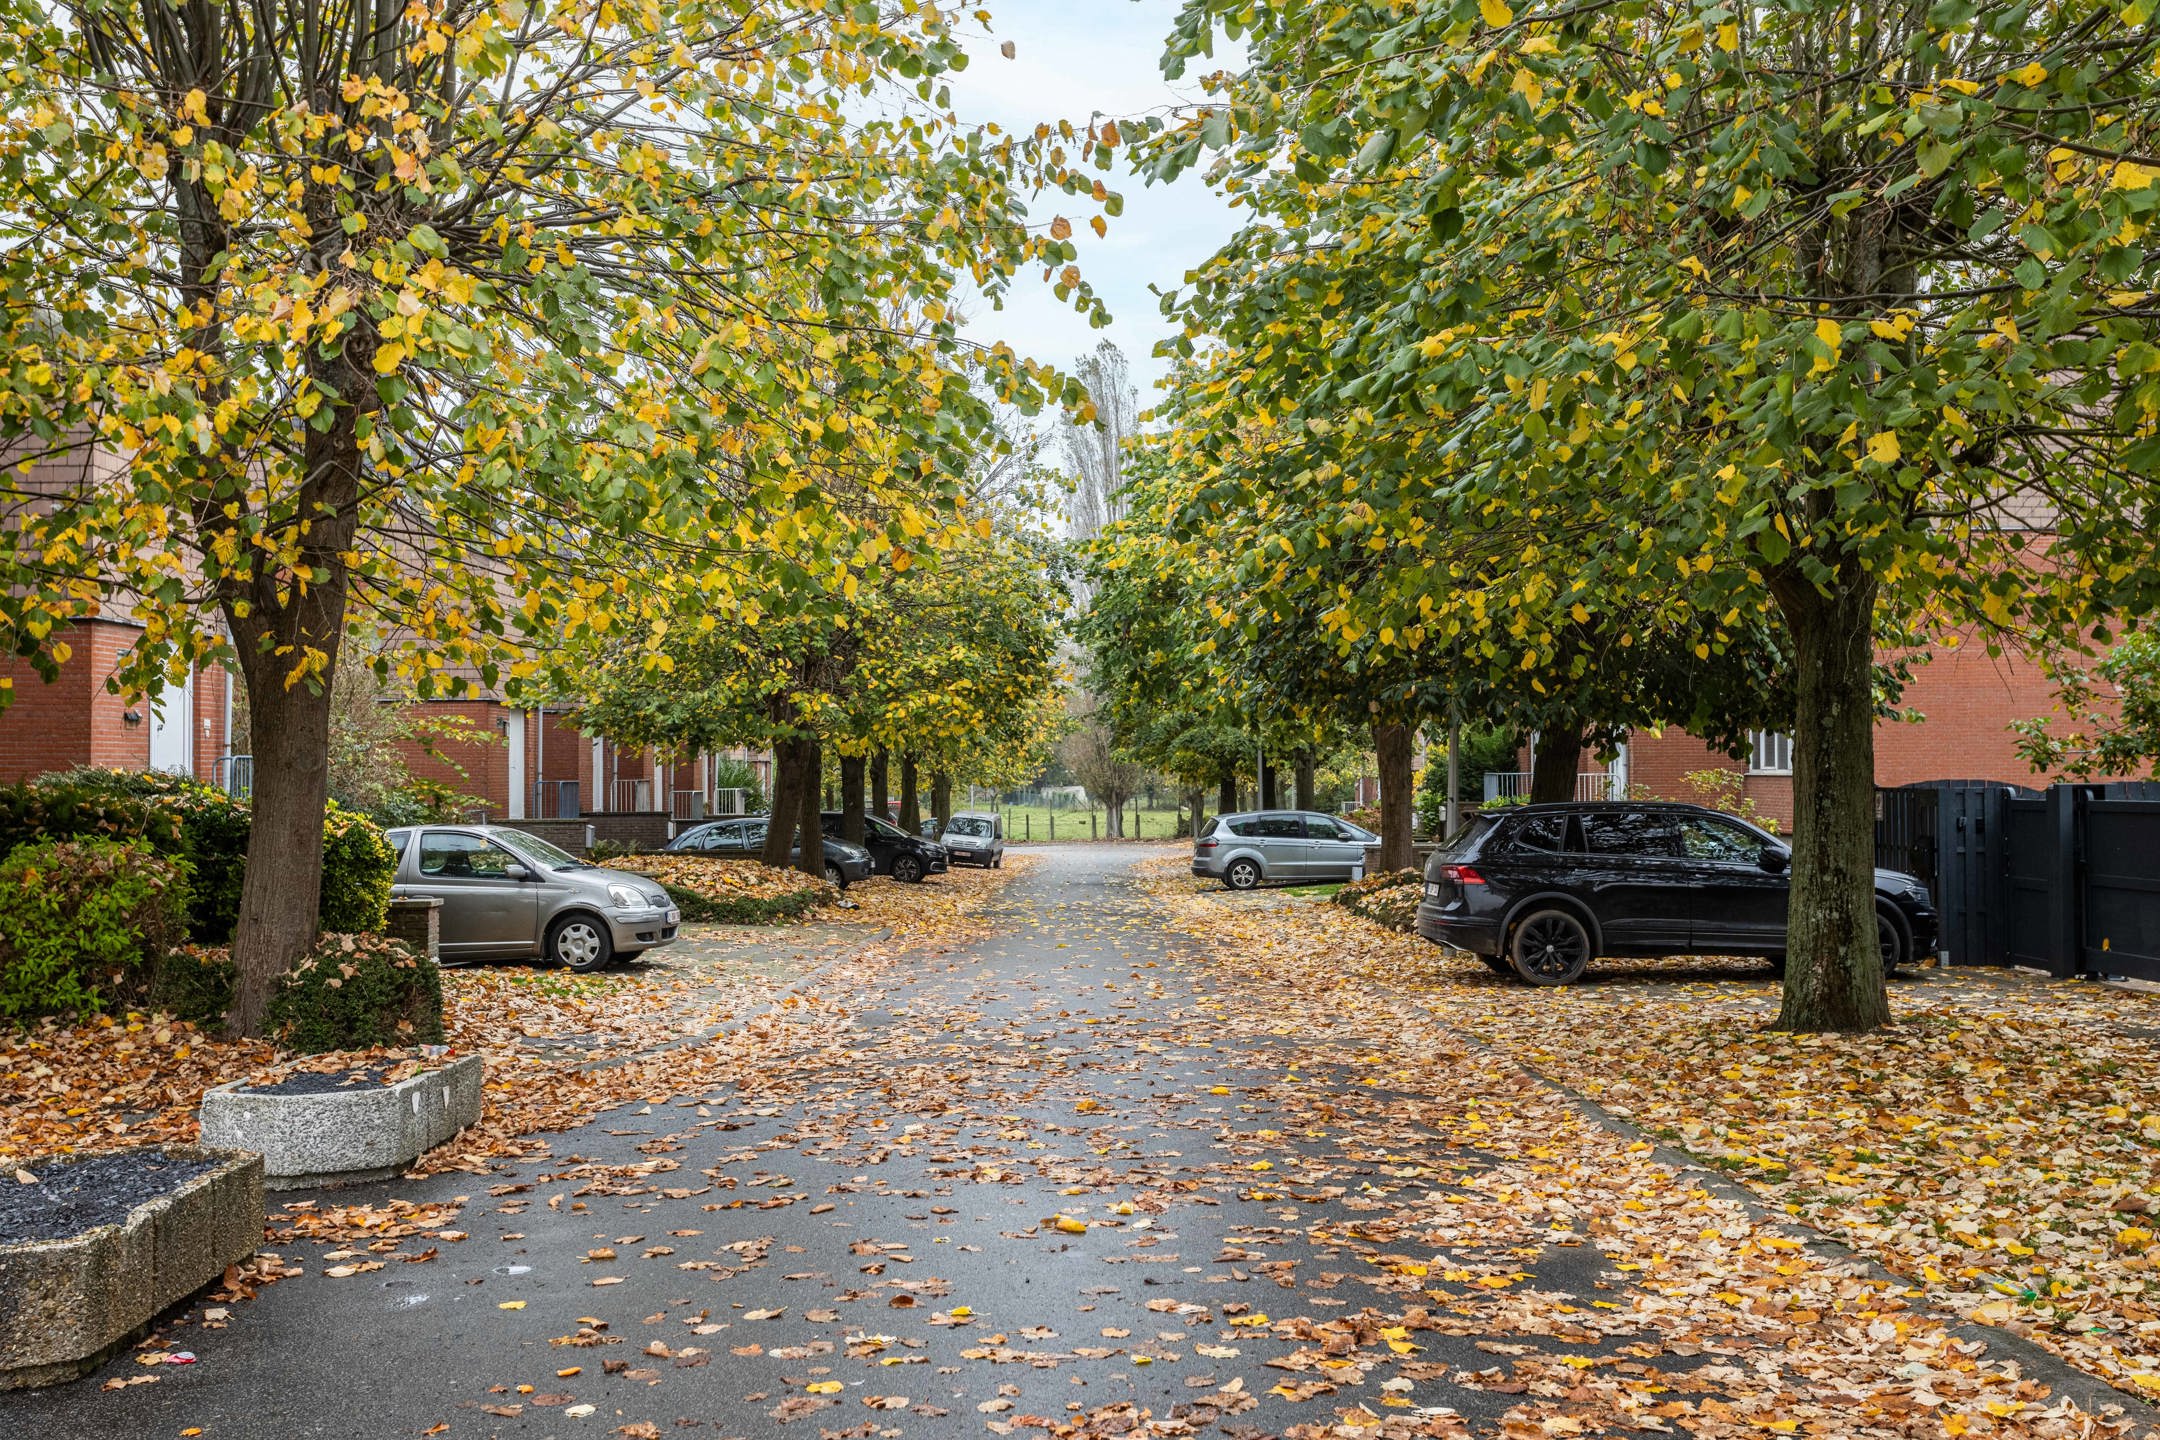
x=1242 y=874
x=1891 y=937
x=907 y=869
x=836 y=875
x=1550 y=947
x=580 y=943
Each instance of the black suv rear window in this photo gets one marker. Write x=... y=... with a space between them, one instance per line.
x=1541 y=832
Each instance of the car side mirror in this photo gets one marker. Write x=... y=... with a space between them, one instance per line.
x=1773 y=859
x=515 y=871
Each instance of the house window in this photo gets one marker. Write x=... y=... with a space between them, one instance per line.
x=1770 y=753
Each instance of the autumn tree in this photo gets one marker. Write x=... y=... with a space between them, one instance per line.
x=462 y=322
x=1837 y=313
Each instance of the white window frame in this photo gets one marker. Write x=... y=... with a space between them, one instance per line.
x=1769 y=752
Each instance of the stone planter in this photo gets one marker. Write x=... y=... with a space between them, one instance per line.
x=67 y=1304
x=340 y=1136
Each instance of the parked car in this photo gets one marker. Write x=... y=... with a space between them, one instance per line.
x=975 y=837
x=1262 y=846
x=510 y=895
x=905 y=857
x=1541 y=890
x=744 y=838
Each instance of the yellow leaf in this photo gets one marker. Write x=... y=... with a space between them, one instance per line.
x=511 y=1305
x=1830 y=333
x=824 y=1387
x=2031 y=75
x=1882 y=447
x=387 y=357
x=1728 y=36
x=1496 y=13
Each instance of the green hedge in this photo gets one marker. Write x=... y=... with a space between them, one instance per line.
x=84 y=921
x=207 y=830
x=355 y=992
x=746 y=909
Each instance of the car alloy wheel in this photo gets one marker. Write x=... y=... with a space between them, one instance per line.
x=836 y=876
x=1551 y=948
x=1241 y=875
x=578 y=942
x=907 y=869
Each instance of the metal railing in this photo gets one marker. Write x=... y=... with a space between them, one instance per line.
x=630 y=797
x=686 y=804
x=556 y=800
x=235 y=775
x=731 y=802
x=1512 y=784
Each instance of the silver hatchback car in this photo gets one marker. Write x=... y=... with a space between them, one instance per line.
x=1264 y=846
x=510 y=895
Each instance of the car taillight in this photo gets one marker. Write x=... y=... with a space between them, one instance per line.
x=1461 y=875
x=1208 y=844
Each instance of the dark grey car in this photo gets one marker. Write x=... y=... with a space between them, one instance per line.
x=510 y=895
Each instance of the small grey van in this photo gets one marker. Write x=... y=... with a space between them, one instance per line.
x=1262 y=847
x=975 y=837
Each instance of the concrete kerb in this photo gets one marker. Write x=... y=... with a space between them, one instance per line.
x=367 y=1132
x=67 y=1305
x=2089 y=1391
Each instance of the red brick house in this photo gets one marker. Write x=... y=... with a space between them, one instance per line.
x=75 y=720
x=1966 y=700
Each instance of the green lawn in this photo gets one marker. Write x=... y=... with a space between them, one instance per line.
x=1032 y=822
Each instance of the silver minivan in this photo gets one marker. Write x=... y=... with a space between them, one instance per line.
x=1264 y=846
x=510 y=895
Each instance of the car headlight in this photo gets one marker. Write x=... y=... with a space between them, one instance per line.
x=629 y=898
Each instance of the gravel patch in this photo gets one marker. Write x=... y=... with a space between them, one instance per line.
x=71 y=1196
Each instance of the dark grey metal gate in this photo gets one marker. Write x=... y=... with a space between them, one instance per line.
x=2120 y=842
x=1950 y=834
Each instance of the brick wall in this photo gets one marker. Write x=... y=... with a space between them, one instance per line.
x=478 y=766
x=75 y=720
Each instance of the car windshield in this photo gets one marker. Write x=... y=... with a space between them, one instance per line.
x=880 y=828
x=537 y=850
x=968 y=825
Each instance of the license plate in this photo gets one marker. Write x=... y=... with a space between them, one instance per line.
x=1431 y=888
x=674 y=917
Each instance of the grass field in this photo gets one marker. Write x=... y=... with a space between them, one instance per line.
x=1032 y=822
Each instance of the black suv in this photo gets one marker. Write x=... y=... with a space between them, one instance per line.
x=907 y=858
x=1540 y=890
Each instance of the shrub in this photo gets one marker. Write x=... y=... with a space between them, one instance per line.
x=1389 y=899
x=81 y=921
x=732 y=892
x=354 y=992
x=357 y=868
x=207 y=830
x=193 y=983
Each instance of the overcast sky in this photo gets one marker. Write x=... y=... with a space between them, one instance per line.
x=1073 y=59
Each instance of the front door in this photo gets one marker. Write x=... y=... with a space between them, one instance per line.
x=1336 y=851
x=1738 y=903
x=1284 y=850
x=484 y=910
x=172 y=735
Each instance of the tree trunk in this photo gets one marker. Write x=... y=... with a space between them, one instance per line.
x=1196 y=801
x=910 y=801
x=275 y=621
x=1552 y=769
x=811 y=821
x=1268 y=795
x=941 y=798
x=851 y=798
x=281 y=890
x=1398 y=802
x=1833 y=965
x=880 y=786
x=1114 y=816
x=1304 y=781
x=789 y=782
x=1226 y=793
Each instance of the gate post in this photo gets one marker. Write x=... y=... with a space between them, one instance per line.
x=2063 y=944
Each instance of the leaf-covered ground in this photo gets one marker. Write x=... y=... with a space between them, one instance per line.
x=1999 y=1146
x=1084 y=1176
x=559 y=1047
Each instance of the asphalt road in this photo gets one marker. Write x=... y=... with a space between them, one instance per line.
x=869 y=1244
